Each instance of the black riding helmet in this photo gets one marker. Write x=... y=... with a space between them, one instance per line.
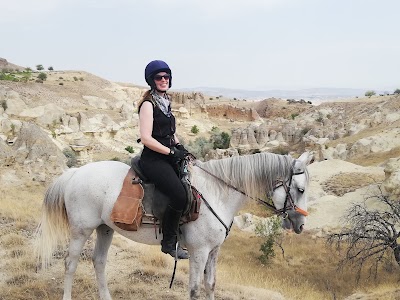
x=154 y=67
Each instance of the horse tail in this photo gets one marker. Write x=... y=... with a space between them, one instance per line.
x=53 y=229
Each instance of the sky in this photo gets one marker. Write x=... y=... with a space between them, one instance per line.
x=238 y=44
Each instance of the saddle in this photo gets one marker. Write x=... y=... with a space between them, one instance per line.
x=140 y=203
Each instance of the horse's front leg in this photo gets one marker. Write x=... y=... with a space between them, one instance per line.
x=210 y=273
x=197 y=264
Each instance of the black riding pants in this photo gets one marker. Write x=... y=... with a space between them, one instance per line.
x=162 y=173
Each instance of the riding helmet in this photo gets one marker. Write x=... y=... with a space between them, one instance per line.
x=154 y=67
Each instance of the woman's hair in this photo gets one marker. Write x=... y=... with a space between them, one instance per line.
x=147 y=96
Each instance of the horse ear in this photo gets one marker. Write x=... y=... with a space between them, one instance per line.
x=307 y=158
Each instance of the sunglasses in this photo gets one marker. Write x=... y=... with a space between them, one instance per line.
x=160 y=77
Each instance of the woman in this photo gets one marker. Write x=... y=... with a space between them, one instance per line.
x=162 y=151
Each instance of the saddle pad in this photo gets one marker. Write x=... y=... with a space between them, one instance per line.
x=127 y=211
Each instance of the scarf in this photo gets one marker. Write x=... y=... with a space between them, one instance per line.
x=162 y=102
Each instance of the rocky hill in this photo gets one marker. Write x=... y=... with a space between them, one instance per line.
x=90 y=117
x=74 y=117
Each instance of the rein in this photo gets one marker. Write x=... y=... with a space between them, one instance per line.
x=282 y=211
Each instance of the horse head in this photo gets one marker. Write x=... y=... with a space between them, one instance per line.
x=290 y=195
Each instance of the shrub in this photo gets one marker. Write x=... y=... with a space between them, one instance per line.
x=61 y=83
x=195 y=129
x=4 y=104
x=280 y=150
x=50 y=68
x=75 y=78
x=370 y=94
x=220 y=140
x=71 y=157
x=305 y=130
x=60 y=77
x=39 y=67
x=81 y=79
x=200 y=147
x=271 y=230
x=130 y=149
x=293 y=116
x=42 y=76
x=28 y=69
x=397 y=91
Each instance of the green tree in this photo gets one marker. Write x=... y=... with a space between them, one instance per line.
x=50 y=68
x=397 y=91
x=370 y=93
x=42 y=76
x=271 y=230
x=220 y=140
x=39 y=67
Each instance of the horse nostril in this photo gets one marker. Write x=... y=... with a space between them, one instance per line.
x=301 y=227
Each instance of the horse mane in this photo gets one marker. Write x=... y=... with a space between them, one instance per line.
x=255 y=175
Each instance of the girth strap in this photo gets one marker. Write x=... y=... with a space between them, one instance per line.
x=214 y=213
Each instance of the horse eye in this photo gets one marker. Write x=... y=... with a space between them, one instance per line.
x=301 y=191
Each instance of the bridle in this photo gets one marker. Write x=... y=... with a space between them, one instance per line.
x=288 y=205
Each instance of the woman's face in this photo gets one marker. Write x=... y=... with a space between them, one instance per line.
x=162 y=81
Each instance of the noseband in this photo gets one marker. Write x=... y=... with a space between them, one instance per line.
x=289 y=203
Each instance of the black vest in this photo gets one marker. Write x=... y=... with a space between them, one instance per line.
x=163 y=128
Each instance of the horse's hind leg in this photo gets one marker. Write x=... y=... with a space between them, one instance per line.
x=103 y=242
x=209 y=273
x=77 y=241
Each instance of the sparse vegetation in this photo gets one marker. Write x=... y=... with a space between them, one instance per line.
x=280 y=150
x=42 y=76
x=220 y=140
x=271 y=231
x=370 y=93
x=194 y=129
x=4 y=104
x=305 y=130
x=50 y=68
x=200 y=147
x=370 y=235
x=397 y=91
x=76 y=78
x=294 y=115
x=39 y=67
x=71 y=157
x=130 y=149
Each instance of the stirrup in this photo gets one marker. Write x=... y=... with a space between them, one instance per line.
x=177 y=252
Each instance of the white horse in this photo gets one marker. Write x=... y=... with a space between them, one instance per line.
x=81 y=200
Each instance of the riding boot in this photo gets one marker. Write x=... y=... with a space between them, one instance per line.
x=170 y=227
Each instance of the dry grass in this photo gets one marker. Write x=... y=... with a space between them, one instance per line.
x=375 y=159
x=136 y=271
x=343 y=183
x=308 y=270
